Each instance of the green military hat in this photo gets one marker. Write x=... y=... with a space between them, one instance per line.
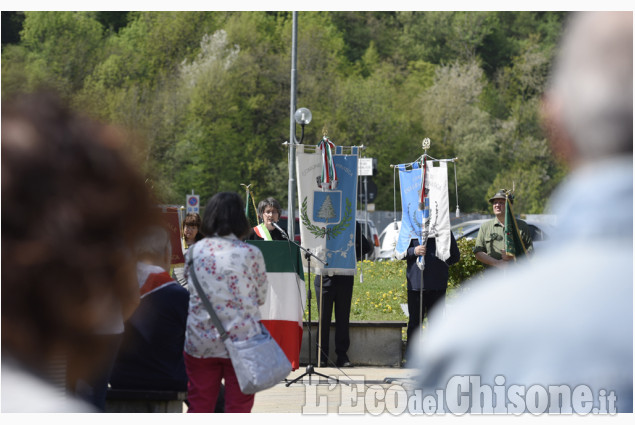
x=502 y=194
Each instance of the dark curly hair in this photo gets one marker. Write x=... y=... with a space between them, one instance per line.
x=68 y=228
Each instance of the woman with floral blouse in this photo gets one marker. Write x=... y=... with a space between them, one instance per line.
x=233 y=276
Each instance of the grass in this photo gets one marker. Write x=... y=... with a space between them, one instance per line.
x=379 y=289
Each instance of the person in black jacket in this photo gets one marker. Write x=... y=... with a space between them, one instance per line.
x=433 y=280
x=151 y=355
x=337 y=290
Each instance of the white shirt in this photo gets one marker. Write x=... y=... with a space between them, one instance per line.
x=233 y=275
x=23 y=392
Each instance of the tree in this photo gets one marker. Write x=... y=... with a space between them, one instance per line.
x=11 y=26
x=442 y=37
x=68 y=43
x=326 y=211
x=209 y=91
x=455 y=92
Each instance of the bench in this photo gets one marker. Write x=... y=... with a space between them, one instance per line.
x=373 y=343
x=144 y=401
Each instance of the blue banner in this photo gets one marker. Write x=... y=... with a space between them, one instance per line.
x=327 y=215
x=411 y=216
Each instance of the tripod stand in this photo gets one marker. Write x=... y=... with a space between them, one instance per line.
x=310 y=369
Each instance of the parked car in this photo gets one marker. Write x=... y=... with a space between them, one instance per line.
x=368 y=228
x=468 y=229
x=284 y=220
x=388 y=240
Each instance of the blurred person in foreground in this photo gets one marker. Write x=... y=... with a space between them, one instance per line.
x=565 y=319
x=68 y=190
x=233 y=276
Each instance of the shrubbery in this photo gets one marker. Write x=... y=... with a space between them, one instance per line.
x=380 y=286
x=468 y=267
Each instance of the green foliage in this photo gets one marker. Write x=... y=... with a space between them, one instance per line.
x=380 y=286
x=112 y=21
x=440 y=37
x=379 y=289
x=11 y=26
x=60 y=50
x=209 y=91
x=468 y=266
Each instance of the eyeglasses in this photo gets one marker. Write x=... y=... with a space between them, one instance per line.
x=496 y=237
x=191 y=226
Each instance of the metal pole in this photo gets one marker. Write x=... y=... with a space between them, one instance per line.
x=292 y=140
x=366 y=208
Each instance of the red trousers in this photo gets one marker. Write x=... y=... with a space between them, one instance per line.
x=204 y=382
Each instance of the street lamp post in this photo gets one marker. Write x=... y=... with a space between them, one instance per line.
x=301 y=116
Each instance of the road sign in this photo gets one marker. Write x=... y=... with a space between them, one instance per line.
x=192 y=202
x=364 y=166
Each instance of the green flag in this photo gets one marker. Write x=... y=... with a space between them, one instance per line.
x=251 y=214
x=513 y=244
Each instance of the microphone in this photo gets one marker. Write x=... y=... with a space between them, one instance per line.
x=281 y=231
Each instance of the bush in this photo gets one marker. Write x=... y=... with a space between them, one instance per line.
x=383 y=289
x=468 y=267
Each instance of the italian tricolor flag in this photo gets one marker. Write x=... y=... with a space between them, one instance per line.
x=282 y=312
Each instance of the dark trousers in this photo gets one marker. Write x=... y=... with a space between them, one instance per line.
x=430 y=299
x=338 y=293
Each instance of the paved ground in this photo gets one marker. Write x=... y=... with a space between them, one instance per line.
x=324 y=395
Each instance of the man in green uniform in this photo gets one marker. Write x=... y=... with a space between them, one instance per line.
x=490 y=243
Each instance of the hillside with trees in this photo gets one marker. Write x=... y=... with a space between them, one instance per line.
x=208 y=92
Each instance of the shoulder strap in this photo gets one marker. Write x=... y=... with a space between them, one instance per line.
x=206 y=302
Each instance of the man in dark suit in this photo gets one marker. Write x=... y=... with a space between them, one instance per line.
x=427 y=287
x=337 y=290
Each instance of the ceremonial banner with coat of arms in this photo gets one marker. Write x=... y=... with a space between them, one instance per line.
x=412 y=217
x=327 y=206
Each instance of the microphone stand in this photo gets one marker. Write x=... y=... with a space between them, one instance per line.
x=310 y=369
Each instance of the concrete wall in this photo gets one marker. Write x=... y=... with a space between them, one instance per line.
x=372 y=344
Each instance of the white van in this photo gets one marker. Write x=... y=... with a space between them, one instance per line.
x=388 y=240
